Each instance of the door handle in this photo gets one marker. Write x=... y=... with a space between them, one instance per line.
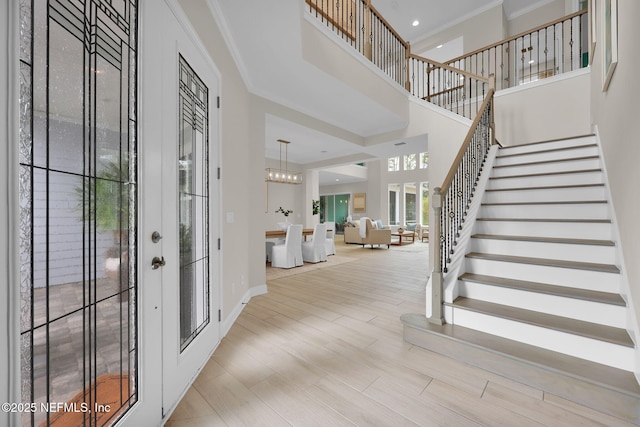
x=157 y=262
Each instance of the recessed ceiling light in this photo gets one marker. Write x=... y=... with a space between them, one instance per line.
x=337 y=179
x=439 y=46
x=415 y=23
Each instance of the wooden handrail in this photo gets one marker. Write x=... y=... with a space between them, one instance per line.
x=384 y=21
x=345 y=30
x=450 y=68
x=517 y=36
x=447 y=181
x=443 y=92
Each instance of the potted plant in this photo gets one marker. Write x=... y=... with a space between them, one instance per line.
x=104 y=200
x=284 y=225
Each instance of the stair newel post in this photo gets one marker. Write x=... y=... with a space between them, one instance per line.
x=436 y=276
x=407 y=62
x=492 y=123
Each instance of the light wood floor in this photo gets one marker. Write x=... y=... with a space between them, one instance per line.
x=325 y=348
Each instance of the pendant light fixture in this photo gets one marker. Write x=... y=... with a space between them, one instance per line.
x=283 y=175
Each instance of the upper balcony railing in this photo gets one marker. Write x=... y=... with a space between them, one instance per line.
x=554 y=48
x=453 y=89
x=358 y=23
x=460 y=84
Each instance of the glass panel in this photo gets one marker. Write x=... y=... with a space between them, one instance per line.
x=193 y=204
x=410 y=204
x=410 y=162
x=65 y=130
x=424 y=160
x=393 y=164
x=77 y=207
x=394 y=206
x=342 y=208
x=331 y=208
x=425 y=203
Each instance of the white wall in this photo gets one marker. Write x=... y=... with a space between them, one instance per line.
x=479 y=31
x=615 y=112
x=552 y=108
x=546 y=13
x=287 y=196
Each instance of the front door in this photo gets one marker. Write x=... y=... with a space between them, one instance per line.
x=179 y=158
x=118 y=138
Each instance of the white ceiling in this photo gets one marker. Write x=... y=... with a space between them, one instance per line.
x=437 y=15
x=270 y=60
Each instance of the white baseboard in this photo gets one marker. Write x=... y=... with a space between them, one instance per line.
x=233 y=316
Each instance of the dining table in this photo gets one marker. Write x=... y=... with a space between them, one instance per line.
x=281 y=234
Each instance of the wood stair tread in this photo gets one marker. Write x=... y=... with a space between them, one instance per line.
x=547 y=141
x=564 y=202
x=546 y=187
x=556 y=290
x=564 y=220
x=534 y=175
x=541 y=162
x=549 y=150
x=569 y=241
x=594 y=331
x=606 y=268
x=467 y=340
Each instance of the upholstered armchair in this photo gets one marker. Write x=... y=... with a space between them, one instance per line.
x=373 y=236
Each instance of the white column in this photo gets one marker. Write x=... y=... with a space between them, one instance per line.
x=312 y=192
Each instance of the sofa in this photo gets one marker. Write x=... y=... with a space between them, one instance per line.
x=374 y=236
x=352 y=234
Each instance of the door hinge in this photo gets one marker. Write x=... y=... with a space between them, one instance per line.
x=219 y=243
x=218 y=102
x=219 y=315
x=218 y=173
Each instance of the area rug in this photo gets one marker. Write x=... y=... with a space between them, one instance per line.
x=276 y=273
x=109 y=390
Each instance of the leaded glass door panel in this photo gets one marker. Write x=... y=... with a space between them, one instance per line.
x=78 y=210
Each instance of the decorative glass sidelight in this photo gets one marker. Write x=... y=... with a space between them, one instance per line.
x=193 y=196
x=78 y=210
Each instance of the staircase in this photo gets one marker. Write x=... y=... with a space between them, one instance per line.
x=541 y=268
x=539 y=295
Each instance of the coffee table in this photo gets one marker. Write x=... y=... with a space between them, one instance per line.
x=401 y=236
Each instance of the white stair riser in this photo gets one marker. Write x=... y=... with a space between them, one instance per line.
x=571 y=165
x=571 y=277
x=588 y=311
x=564 y=211
x=502 y=160
x=546 y=195
x=574 y=230
x=574 y=345
x=562 y=251
x=515 y=149
x=547 y=180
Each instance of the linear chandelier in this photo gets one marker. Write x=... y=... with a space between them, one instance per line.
x=284 y=176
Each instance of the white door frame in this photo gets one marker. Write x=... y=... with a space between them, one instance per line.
x=9 y=216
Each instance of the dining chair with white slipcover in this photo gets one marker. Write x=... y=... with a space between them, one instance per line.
x=289 y=254
x=315 y=250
